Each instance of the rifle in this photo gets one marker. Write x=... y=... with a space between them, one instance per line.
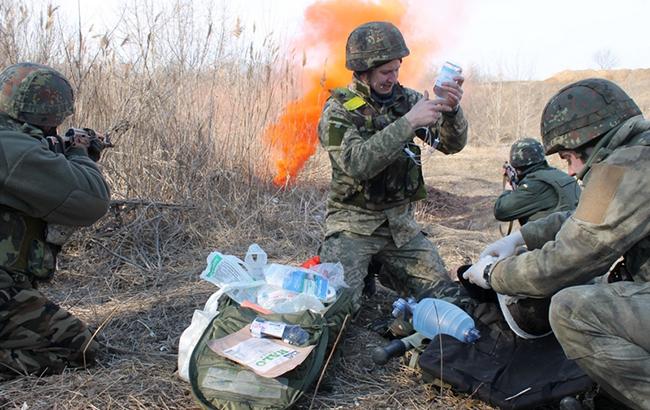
x=509 y=177
x=97 y=141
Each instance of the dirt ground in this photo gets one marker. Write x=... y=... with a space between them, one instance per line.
x=143 y=324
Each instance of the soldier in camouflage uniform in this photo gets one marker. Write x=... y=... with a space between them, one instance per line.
x=602 y=322
x=40 y=188
x=368 y=130
x=540 y=189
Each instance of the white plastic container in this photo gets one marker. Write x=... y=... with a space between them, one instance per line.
x=447 y=73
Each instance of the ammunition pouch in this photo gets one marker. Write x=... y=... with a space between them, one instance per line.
x=23 y=248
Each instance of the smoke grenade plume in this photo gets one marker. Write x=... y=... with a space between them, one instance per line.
x=293 y=137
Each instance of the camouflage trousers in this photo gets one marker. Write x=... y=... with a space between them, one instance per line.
x=36 y=335
x=605 y=328
x=415 y=269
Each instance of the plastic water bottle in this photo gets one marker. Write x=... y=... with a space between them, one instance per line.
x=434 y=316
x=255 y=261
x=292 y=334
x=299 y=280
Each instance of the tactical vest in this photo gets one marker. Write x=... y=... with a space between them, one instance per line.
x=566 y=188
x=399 y=183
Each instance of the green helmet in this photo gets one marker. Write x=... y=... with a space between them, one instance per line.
x=35 y=94
x=526 y=151
x=583 y=111
x=373 y=43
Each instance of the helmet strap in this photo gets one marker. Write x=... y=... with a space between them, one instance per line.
x=600 y=151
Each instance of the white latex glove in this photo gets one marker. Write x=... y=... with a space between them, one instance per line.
x=475 y=273
x=505 y=246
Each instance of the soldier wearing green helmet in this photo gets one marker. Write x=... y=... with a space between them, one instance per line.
x=41 y=189
x=539 y=189
x=594 y=262
x=368 y=129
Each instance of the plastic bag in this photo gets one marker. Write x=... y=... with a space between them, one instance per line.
x=333 y=272
x=281 y=300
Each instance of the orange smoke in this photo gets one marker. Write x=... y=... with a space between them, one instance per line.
x=293 y=138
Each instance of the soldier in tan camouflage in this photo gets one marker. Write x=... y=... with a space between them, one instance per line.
x=601 y=321
x=40 y=188
x=368 y=130
x=539 y=189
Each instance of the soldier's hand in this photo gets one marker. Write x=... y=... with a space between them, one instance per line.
x=475 y=274
x=453 y=91
x=426 y=112
x=504 y=247
x=89 y=140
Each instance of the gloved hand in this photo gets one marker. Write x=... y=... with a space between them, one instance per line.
x=504 y=247
x=475 y=273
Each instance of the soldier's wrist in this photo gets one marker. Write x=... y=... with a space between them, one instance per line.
x=487 y=271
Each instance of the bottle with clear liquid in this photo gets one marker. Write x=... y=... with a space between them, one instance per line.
x=434 y=316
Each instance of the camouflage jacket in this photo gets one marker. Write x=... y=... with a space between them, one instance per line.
x=365 y=141
x=542 y=191
x=40 y=187
x=612 y=220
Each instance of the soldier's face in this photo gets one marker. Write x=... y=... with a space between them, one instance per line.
x=574 y=162
x=382 y=79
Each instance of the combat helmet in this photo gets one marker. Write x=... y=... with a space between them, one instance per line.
x=583 y=111
x=372 y=43
x=35 y=94
x=526 y=151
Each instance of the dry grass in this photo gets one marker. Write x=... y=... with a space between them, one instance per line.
x=190 y=174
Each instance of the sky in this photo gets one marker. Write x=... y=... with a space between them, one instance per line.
x=517 y=39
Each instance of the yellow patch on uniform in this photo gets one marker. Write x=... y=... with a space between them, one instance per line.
x=354 y=103
x=599 y=192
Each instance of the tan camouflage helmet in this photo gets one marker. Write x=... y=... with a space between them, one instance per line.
x=35 y=94
x=583 y=111
x=372 y=44
x=526 y=151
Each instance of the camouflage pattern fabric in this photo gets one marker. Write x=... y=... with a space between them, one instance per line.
x=37 y=336
x=356 y=158
x=525 y=152
x=360 y=149
x=605 y=330
x=603 y=325
x=372 y=44
x=35 y=94
x=542 y=191
x=40 y=187
x=414 y=269
x=582 y=111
